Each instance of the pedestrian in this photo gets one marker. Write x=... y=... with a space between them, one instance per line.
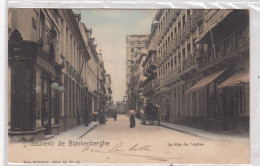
x=142 y=116
x=115 y=114
x=132 y=118
x=95 y=115
x=101 y=116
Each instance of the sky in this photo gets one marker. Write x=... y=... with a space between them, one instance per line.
x=110 y=28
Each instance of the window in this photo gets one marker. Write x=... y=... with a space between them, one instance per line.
x=62 y=35
x=67 y=44
x=163 y=46
x=171 y=36
x=132 y=49
x=71 y=50
x=183 y=21
x=183 y=54
x=42 y=25
x=188 y=50
x=75 y=55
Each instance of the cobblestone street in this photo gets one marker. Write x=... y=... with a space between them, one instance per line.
x=116 y=142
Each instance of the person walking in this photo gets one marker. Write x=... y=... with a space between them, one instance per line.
x=132 y=118
x=115 y=115
x=101 y=116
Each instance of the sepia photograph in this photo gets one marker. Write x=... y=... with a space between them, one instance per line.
x=117 y=86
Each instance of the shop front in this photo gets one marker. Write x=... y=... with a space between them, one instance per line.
x=35 y=90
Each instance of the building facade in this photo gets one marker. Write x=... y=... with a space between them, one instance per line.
x=134 y=46
x=51 y=80
x=151 y=83
x=91 y=69
x=201 y=68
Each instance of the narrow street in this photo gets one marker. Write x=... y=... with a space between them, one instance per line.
x=185 y=69
x=142 y=144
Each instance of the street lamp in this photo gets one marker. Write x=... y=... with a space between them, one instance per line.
x=61 y=89
x=55 y=85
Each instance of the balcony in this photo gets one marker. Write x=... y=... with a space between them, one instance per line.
x=190 y=27
x=162 y=82
x=178 y=11
x=171 y=78
x=151 y=64
x=148 y=89
x=188 y=67
x=155 y=84
x=173 y=15
x=165 y=28
x=198 y=17
x=172 y=46
x=180 y=38
x=236 y=45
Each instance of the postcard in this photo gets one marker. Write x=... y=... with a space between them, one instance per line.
x=117 y=86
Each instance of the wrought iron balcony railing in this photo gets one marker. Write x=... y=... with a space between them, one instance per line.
x=227 y=48
x=198 y=16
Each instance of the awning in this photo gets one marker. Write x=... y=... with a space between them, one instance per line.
x=205 y=81
x=236 y=79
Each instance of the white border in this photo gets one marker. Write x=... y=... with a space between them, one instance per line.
x=3 y=63
x=253 y=6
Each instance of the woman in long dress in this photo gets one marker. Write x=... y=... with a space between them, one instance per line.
x=132 y=118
